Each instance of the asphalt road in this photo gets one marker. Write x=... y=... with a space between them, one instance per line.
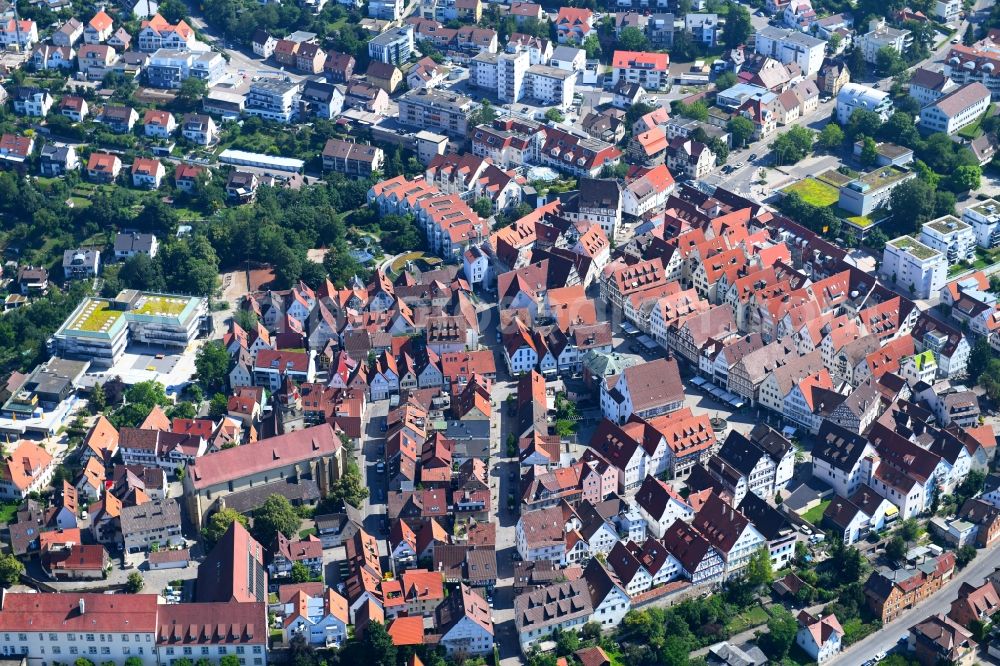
x=888 y=637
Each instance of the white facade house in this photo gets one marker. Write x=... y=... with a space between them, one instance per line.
x=952 y=236
x=881 y=36
x=985 y=220
x=550 y=86
x=856 y=96
x=914 y=266
x=787 y=46
x=956 y=110
x=819 y=637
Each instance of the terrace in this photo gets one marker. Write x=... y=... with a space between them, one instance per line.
x=160 y=306
x=914 y=247
x=947 y=225
x=884 y=177
x=97 y=316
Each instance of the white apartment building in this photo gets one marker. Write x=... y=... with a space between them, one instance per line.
x=950 y=235
x=393 y=47
x=856 y=96
x=880 y=35
x=503 y=73
x=787 y=46
x=550 y=86
x=985 y=220
x=947 y=10
x=957 y=109
x=272 y=100
x=914 y=266
x=649 y=70
x=390 y=10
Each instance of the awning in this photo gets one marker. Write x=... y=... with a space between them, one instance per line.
x=629 y=328
x=698 y=380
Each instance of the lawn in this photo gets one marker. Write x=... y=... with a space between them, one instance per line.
x=751 y=617
x=862 y=221
x=815 y=514
x=815 y=193
x=161 y=305
x=7 y=512
x=80 y=202
x=306 y=533
x=972 y=131
x=97 y=316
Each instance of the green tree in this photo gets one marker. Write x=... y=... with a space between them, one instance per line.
x=793 y=145
x=229 y=660
x=869 y=151
x=135 y=583
x=632 y=39
x=741 y=129
x=759 y=571
x=831 y=137
x=218 y=405
x=377 y=645
x=82 y=661
x=888 y=61
x=862 y=122
x=592 y=46
x=910 y=530
x=140 y=399
x=555 y=115
x=11 y=570
x=98 y=399
x=276 y=515
x=738 y=28
x=212 y=365
x=192 y=91
x=300 y=573
x=684 y=48
x=895 y=548
x=912 y=204
x=696 y=111
x=725 y=81
x=965 y=178
x=970 y=36
x=965 y=555
x=219 y=523
x=781 y=630
x=483 y=207
x=133 y=661
x=348 y=489
x=484 y=115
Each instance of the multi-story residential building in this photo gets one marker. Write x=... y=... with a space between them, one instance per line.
x=914 y=266
x=704 y=28
x=563 y=606
x=169 y=68
x=17 y=34
x=157 y=522
x=272 y=100
x=56 y=159
x=98 y=29
x=389 y=10
x=68 y=34
x=645 y=390
x=649 y=70
x=30 y=101
x=158 y=124
x=103 y=167
x=501 y=72
x=856 y=96
x=147 y=173
x=881 y=36
x=689 y=158
x=444 y=112
x=729 y=532
x=393 y=47
x=980 y=62
x=550 y=86
x=842 y=459
x=27 y=469
x=788 y=46
x=890 y=592
x=949 y=235
x=832 y=76
x=157 y=33
x=352 y=159
x=761 y=464
x=199 y=128
x=956 y=110
x=985 y=220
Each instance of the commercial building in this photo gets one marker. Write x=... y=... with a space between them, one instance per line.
x=950 y=235
x=872 y=190
x=856 y=96
x=445 y=112
x=980 y=62
x=914 y=266
x=788 y=46
x=955 y=110
x=99 y=329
